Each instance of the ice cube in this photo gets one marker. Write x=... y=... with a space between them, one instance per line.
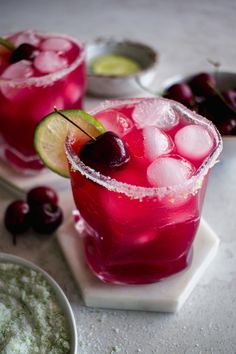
x=25 y=37
x=134 y=140
x=72 y=92
x=193 y=142
x=169 y=171
x=49 y=62
x=56 y=44
x=156 y=143
x=115 y=121
x=155 y=112
x=20 y=70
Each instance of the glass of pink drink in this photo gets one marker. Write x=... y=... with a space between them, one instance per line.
x=139 y=220
x=29 y=89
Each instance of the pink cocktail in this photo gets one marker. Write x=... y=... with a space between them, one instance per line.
x=30 y=88
x=139 y=220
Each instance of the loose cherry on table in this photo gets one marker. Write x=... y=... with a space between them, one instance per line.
x=46 y=217
x=17 y=218
x=40 y=212
x=41 y=195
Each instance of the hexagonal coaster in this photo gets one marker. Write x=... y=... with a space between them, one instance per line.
x=16 y=181
x=168 y=295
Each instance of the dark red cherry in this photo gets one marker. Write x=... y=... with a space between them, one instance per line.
x=227 y=127
x=16 y=219
x=41 y=195
x=46 y=218
x=180 y=92
x=107 y=151
x=24 y=51
x=203 y=84
x=215 y=109
x=230 y=98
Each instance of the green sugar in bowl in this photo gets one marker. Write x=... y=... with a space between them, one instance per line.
x=35 y=315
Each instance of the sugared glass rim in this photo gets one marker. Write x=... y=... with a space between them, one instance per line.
x=47 y=79
x=138 y=192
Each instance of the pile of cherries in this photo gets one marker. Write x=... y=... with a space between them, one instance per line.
x=202 y=95
x=40 y=211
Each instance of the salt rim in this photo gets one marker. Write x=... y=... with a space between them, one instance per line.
x=48 y=78
x=137 y=192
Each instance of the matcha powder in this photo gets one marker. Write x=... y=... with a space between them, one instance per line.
x=31 y=320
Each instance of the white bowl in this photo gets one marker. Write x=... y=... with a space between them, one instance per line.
x=120 y=86
x=62 y=300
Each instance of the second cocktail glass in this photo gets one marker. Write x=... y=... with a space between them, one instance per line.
x=29 y=89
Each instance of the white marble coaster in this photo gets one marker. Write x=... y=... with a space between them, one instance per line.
x=166 y=296
x=14 y=180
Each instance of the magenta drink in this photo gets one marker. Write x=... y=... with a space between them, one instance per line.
x=139 y=220
x=33 y=81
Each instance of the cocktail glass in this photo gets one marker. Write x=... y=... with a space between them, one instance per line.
x=32 y=94
x=134 y=234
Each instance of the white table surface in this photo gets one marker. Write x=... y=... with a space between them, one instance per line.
x=185 y=33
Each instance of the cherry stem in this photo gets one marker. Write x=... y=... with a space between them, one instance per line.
x=7 y=44
x=215 y=64
x=77 y=126
x=217 y=92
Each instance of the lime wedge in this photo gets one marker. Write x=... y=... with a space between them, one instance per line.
x=115 y=65
x=52 y=130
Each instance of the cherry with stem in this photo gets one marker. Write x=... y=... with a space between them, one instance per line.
x=107 y=150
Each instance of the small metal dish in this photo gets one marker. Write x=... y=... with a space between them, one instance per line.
x=120 y=86
x=62 y=299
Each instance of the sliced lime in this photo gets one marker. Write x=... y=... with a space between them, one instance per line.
x=115 y=65
x=52 y=130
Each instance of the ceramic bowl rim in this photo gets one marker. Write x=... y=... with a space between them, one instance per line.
x=59 y=293
x=144 y=46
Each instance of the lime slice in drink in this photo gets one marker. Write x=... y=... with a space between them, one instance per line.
x=115 y=65
x=52 y=130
